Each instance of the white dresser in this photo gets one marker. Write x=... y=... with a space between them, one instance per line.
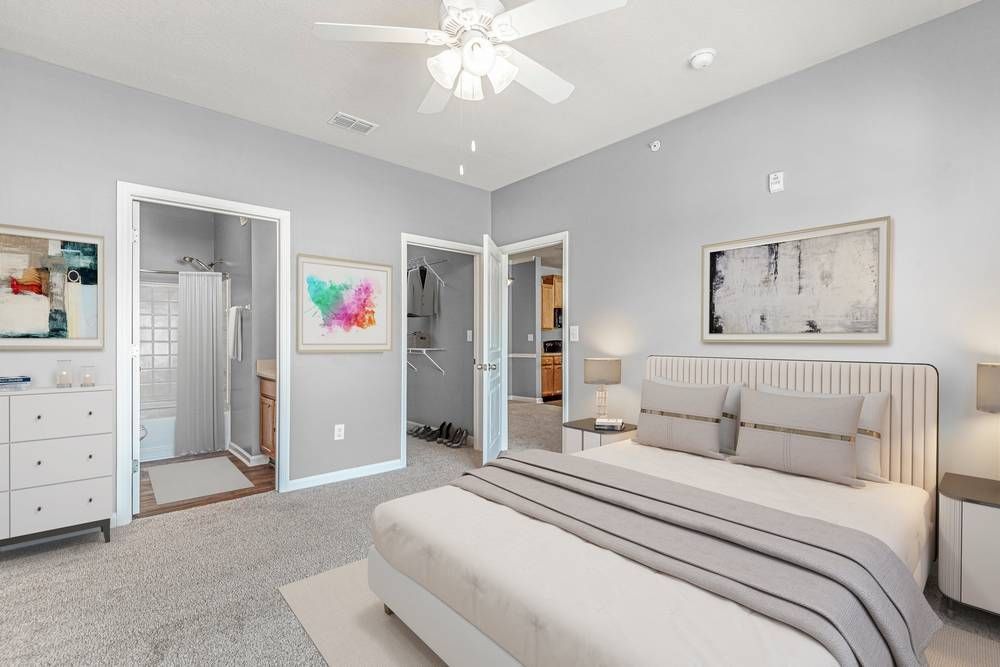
x=56 y=462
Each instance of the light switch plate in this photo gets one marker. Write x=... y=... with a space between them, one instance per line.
x=468 y=335
x=338 y=432
x=531 y=338
x=574 y=334
x=776 y=182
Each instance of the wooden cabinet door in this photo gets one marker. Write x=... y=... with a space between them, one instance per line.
x=548 y=376
x=557 y=377
x=557 y=292
x=267 y=426
x=548 y=314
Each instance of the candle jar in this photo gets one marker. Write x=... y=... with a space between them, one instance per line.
x=64 y=373
x=88 y=376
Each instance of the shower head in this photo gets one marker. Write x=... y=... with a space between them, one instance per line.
x=200 y=264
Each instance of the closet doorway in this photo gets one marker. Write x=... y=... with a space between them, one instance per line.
x=440 y=306
x=204 y=344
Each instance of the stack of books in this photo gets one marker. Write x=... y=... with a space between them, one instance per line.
x=609 y=424
x=15 y=382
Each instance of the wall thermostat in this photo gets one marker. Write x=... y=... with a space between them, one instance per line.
x=776 y=182
x=655 y=145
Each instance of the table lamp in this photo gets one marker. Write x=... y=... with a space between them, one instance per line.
x=602 y=371
x=988 y=387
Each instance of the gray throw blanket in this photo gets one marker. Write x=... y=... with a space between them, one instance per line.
x=841 y=586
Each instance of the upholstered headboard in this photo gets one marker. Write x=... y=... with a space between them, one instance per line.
x=909 y=453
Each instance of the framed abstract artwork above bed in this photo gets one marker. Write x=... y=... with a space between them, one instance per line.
x=51 y=290
x=821 y=285
x=344 y=306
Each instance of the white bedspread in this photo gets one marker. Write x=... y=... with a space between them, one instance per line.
x=549 y=598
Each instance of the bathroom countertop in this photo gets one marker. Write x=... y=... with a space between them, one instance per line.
x=267 y=369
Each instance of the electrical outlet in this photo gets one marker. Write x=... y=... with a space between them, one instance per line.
x=574 y=334
x=468 y=335
x=338 y=432
x=531 y=338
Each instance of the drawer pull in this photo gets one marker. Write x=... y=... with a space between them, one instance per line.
x=38 y=463
x=38 y=509
x=90 y=500
x=90 y=456
x=90 y=413
x=38 y=418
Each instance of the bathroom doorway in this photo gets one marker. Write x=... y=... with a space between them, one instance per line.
x=207 y=335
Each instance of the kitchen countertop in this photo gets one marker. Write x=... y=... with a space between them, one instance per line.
x=267 y=369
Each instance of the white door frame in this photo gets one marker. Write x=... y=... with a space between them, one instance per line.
x=537 y=244
x=125 y=352
x=406 y=240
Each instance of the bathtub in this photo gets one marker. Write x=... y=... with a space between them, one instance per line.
x=160 y=440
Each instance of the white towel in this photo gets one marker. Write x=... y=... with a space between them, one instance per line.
x=234 y=334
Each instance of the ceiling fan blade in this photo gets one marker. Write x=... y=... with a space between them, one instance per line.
x=540 y=79
x=541 y=15
x=350 y=32
x=436 y=99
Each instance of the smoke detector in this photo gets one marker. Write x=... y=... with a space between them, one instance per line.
x=702 y=58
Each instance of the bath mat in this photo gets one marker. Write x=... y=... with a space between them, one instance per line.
x=173 y=482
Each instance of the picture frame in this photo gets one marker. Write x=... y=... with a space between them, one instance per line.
x=51 y=289
x=820 y=285
x=343 y=305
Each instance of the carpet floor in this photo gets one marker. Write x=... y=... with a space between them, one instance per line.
x=534 y=426
x=200 y=586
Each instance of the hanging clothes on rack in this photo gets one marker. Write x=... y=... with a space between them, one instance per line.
x=423 y=293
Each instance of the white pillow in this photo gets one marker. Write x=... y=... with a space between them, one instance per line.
x=685 y=418
x=801 y=435
x=873 y=426
x=729 y=426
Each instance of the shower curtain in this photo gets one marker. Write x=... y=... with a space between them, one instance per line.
x=200 y=364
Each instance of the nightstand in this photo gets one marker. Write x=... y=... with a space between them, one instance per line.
x=969 y=540
x=580 y=435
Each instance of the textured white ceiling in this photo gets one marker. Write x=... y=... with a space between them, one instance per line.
x=258 y=60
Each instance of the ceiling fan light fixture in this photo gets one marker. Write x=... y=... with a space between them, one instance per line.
x=478 y=55
x=470 y=87
x=502 y=74
x=445 y=67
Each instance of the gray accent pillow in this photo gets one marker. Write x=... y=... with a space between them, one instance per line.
x=730 y=411
x=801 y=435
x=873 y=429
x=686 y=418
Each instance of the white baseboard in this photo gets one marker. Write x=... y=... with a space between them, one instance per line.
x=245 y=456
x=524 y=399
x=341 y=475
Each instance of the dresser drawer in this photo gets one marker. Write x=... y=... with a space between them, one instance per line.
x=4 y=516
x=4 y=418
x=57 y=461
x=4 y=470
x=41 y=417
x=48 y=507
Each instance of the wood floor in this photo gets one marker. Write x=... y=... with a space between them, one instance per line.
x=262 y=478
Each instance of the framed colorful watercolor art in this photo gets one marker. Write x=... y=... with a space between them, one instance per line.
x=344 y=306
x=51 y=290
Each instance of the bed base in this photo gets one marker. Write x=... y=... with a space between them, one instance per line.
x=454 y=639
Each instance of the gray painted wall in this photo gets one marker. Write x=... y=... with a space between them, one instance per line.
x=168 y=233
x=524 y=294
x=431 y=397
x=59 y=170
x=898 y=128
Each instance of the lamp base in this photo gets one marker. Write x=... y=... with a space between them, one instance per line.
x=602 y=402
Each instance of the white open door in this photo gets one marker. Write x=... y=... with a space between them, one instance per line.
x=134 y=389
x=492 y=366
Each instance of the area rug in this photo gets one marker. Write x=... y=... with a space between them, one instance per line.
x=345 y=621
x=173 y=482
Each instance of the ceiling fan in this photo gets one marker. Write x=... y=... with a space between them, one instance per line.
x=476 y=33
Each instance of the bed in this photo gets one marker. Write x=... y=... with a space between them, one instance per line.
x=483 y=584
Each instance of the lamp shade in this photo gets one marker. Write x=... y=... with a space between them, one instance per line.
x=988 y=387
x=602 y=370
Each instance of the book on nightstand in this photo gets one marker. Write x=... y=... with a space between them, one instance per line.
x=609 y=424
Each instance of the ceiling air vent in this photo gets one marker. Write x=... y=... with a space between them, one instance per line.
x=353 y=123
